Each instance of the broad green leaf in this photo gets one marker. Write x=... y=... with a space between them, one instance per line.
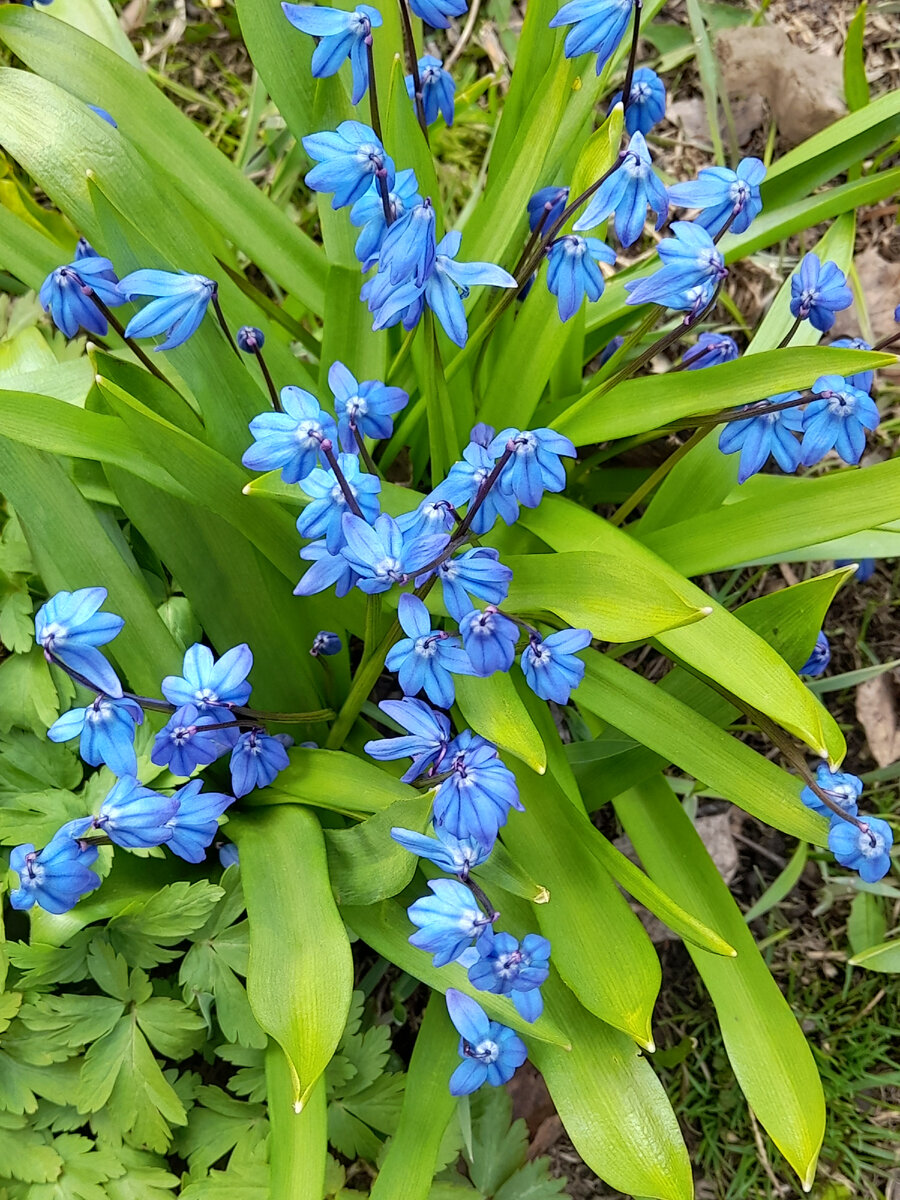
x=883 y=957
x=408 y=1167
x=365 y=863
x=493 y=708
x=856 y=86
x=765 y=1045
x=283 y=58
x=680 y=735
x=98 y=20
x=298 y=1142
x=719 y=647
x=655 y=400
x=73 y=549
x=336 y=780
x=867 y=924
x=802 y=512
x=599 y=946
x=617 y=596
x=173 y=144
x=347 y=335
x=301 y=969
x=597 y=155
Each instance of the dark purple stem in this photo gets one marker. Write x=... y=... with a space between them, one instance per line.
x=328 y=451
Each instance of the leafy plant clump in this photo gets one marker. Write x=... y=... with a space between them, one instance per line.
x=248 y=816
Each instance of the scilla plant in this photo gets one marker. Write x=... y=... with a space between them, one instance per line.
x=419 y=419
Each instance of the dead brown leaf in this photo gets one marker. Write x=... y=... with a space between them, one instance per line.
x=804 y=92
x=880 y=284
x=876 y=712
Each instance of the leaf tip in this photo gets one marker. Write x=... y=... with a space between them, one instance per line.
x=247 y=489
x=542 y=895
x=297 y=1106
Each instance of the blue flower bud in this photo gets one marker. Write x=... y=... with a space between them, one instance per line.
x=250 y=339
x=326 y=643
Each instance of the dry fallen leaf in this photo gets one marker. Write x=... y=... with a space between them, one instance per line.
x=804 y=92
x=876 y=713
x=879 y=280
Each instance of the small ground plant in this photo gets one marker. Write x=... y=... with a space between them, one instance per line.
x=329 y=585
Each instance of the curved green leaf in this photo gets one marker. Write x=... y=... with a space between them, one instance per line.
x=336 y=780
x=300 y=978
x=765 y=1045
x=365 y=863
x=493 y=708
x=298 y=1142
x=883 y=957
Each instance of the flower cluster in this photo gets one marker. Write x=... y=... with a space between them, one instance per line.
x=208 y=720
x=861 y=843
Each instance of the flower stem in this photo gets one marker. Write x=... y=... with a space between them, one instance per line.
x=481 y=896
x=328 y=451
x=221 y=319
x=373 y=91
x=632 y=57
x=657 y=477
x=798 y=321
x=129 y=342
x=273 y=390
x=409 y=45
x=364 y=451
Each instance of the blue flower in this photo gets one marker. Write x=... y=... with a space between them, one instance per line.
x=343 y=35
x=408 y=248
x=489 y=638
x=184 y=743
x=462 y=484
x=181 y=304
x=865 y=379
x=599 y=26
x=106 y=728
x=56 y=877
x=444 y=291
x=546 y=207
x=382 y=555
x=437 y=89
x=291 y=440
x=710 y=350
x=208 y=682
x=628 y=192
x=101 y=112
x=720 y=192
x=84 y=249
x=843 y=788
x=327 y=569
x=449 y=921
x=865 y=851
x=864 y=570
x=66 y=294
x=767 y=433
x=437 y=12
x=368 y=212
x=476 y=798
x=646 y=104
x=551 y=669
x=508 y=969
x=196 y=820
x=476 y=572
x=490 y=1052
x=348 y=160
x=427 y=741
x=457 y=856
x=70 y=628
x=257 y=758
x=818 y=291
x=250 y=339
x=693 y=267
x=838 y=420
x=611 y=348
x=534 y=466
x=430 y=516
x=323 y=517
x=572 y=271
x=820 y=657
x=426 y=659
x=228 y=855
x=326 y=643
x=135 y=817
x=367 y=406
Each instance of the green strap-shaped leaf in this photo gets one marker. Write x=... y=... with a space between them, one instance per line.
x=599 y=947
x=408 y=1167
x=335 y=780
x=365 y=864
x=719 y=647
x=73 y=549
x=603 y=592
x=298 y=1142
x=681 y=736
x=301 y=968
x=856 y=86
x=765 y=1045
x=173 y=144
x=283 y=57
x=493 y=708
x=611 y=1103
x=883 y=957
